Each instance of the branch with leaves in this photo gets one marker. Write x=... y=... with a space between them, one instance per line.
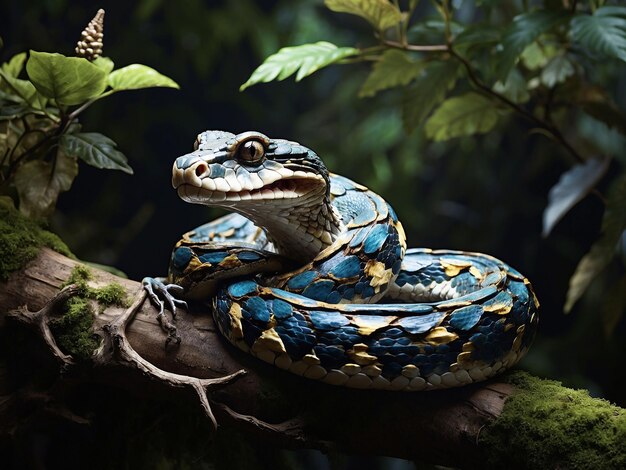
x=40 y=135
x=465 y=78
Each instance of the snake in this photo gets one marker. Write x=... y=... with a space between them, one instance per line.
x=310 y=272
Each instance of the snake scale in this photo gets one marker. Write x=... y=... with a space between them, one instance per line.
x=311 y=273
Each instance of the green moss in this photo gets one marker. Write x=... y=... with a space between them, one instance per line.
x=74 y=330
x=546 y=425
x=21 y=239
x=79 y=274
x=112 y=294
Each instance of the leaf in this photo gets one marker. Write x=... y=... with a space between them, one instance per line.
x=603 y=33
x=23 y=89
x=573 y=185
x=39 y=183
x=428 y=90
x=104 y=63
x=15 y=65
x=603 y=250
x=395 y=68
x=514 y=87
x=522 y=32
x=432 y=32
x=557 y=70
x=535 y=57
x=596 y=102
x=477 y=35
x=137 y=76
x=8 y=112
x=381 y=14
x=95 y=150
x=304 y=59
x=607 y=113
x=467 y=114
x=68 y=80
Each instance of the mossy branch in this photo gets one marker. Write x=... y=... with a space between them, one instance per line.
x=519 y=421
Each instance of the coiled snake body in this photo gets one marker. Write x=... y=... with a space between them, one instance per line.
x=312 y=274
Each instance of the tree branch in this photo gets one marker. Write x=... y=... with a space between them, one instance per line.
x=447 y=427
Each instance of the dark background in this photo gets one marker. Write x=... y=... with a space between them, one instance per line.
x=484 y=193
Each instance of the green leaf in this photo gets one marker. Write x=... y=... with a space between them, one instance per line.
x=428 y=90
x=104 y=63
x=381 y=14
x=432 y=32
x=9 y=112
x=95 y=150
x=15 y=65
x=514 y=87
x=39 y=183
x=534 y=56
x=68 y=80
x=395 y=68
x=606 y=112
x=573 y=186
x=23 y=89
x=477 y=35
x=603 y=33
x=137 y=76
x=557 y=70
x=467 y=114
x=304 y=59
x=522 y=32
x=603 y=250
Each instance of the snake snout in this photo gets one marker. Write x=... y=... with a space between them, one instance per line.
x=188 y=170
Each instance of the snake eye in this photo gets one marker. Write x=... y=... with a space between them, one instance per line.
x=252 y=151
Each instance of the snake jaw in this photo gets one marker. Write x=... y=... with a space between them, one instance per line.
x=227 y=191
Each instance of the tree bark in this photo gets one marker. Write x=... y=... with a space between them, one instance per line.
x=442 y=427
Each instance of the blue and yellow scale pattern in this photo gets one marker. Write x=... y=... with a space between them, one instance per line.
x=366 y=312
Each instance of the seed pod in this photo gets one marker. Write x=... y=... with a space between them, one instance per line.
x=89 y=45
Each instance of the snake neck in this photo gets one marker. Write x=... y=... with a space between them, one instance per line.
x=298 y=230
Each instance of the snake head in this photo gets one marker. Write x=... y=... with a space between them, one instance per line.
x=248 y=170
x=280 y=185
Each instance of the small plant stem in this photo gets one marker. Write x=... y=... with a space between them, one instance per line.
x=542 y=123
x=74 y=114
x=416 y=48
x=19 y=141
x=372 y=50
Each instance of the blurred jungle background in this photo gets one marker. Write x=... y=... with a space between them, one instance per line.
x=480 y=191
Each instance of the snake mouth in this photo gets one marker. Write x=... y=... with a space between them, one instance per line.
x=283 y=189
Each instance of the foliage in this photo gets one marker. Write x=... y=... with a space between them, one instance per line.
x=40 y=136
x=530 y=68
x=21 y=239
x=304 y=60
x=573 y=185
